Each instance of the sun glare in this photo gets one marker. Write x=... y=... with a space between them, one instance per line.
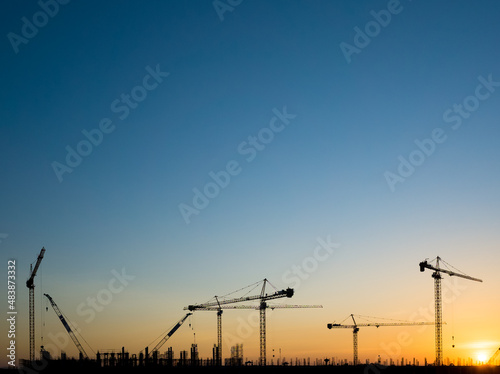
x=481 y=357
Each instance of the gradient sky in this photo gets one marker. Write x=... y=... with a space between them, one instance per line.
x=323 y=176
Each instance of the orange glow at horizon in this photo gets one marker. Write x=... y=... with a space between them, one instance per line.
x=482 y=357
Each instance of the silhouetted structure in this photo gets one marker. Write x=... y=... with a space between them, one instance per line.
x=438 y=307
x=355 y=329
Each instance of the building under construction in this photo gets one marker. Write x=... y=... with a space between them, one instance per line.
x=156 y=359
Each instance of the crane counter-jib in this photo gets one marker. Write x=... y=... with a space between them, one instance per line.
x=278 y=294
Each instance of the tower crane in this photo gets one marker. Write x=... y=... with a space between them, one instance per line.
x=355 y=328
x=218 y=351
x=262 y=307
x=438 y=301
x=263 y=297
x=83 y=354
x=30 y=283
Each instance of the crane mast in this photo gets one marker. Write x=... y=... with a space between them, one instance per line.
x=83 y=354
x=438 y=309
x=218 y=352
x=262 y=297
x=262 y=357
x=355 y=329
x=30 y=283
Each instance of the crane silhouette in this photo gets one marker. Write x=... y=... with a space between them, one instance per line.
x=438 y=313
x=83 y=354
x=217 y=305
x=262 y=307
x=355 y=328
x=30 y=283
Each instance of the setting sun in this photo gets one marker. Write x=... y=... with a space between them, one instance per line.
x=481 y=357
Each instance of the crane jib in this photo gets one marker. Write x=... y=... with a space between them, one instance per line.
x=66 y=326
x=176 y=327
x=278 y=294
x=68 y=329
x=424 y=265
x=171 y=332
x=30 y=282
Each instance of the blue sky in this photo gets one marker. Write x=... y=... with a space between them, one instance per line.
x=322 y=176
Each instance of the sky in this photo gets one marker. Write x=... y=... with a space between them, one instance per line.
x=166 y=152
